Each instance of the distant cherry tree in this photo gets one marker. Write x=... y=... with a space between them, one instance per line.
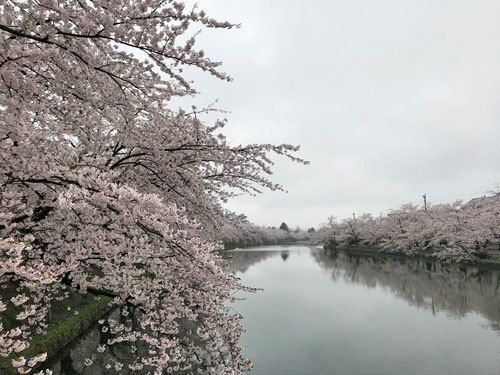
x=240 y=232
x=455 y=231
x=105 y=190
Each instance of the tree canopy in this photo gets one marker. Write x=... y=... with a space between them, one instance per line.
x=105 y=189
x=284 y=227
x=453 y=231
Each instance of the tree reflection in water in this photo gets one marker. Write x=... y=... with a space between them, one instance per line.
x=242 y=260
x=454 y=289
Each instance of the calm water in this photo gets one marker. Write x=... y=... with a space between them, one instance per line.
x=327 y=313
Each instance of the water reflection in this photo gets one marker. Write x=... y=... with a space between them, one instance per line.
x=452 y=288
x=333 y=313
x=242 y=260
x=455 y=289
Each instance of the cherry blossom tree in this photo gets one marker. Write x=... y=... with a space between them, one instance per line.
x=237 y=232
x=453 y=231
x=104 y=189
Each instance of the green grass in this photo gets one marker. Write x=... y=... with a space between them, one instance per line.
x=65 y=327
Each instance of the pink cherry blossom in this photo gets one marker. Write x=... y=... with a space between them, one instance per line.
x=455 y=231
x=104 y=188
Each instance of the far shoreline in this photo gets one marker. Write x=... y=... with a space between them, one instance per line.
x=492 y=262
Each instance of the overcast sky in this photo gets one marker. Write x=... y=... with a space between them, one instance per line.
x=388 y=99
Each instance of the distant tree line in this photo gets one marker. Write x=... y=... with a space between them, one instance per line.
x=237 y=231
x=455 y=230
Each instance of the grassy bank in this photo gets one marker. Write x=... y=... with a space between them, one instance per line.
x=69 y=319
x=491 y=261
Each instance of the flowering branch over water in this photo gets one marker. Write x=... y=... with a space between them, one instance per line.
x=105 y=189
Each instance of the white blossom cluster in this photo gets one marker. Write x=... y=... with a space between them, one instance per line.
x=455 y=231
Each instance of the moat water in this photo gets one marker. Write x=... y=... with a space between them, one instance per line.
x=332 y=313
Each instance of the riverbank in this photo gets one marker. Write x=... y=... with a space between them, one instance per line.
x=492 y=261
x=69 y=319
